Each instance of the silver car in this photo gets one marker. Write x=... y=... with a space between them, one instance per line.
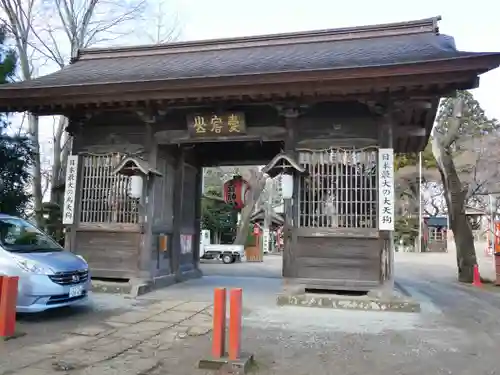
x=49 y=276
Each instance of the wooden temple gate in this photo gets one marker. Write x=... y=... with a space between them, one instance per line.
x=329 y=99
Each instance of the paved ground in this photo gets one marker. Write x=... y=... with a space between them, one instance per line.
x=270 y=268
x=42 y=327
x=167 y=332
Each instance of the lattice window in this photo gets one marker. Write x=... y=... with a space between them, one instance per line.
x=437 y=234
x=340 y=190
x=104 y=196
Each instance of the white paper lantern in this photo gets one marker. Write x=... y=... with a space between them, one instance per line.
x=287 y=186
x=135 y=190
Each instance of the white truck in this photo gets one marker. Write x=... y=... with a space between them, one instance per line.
x=225 y=253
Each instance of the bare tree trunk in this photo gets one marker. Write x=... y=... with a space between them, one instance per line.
x=56 y=161
x=462 y=230
x=60 y=152
x=257 y=183
x=455 y=196
x=37 y=169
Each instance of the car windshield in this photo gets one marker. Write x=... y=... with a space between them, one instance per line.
x=19 y=236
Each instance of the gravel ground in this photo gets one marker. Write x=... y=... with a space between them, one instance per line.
x=457 y=333
x=279 y=351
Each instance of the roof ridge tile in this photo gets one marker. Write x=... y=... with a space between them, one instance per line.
x=427 y=25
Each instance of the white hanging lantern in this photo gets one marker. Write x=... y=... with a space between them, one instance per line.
x=135 y=190
x=287 y=186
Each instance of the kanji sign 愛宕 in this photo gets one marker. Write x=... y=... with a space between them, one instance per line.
x=213 y=125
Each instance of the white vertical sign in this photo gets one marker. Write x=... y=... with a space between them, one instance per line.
x=70 y=190
x=386 y=189
x=265 y=240
x=186 y=243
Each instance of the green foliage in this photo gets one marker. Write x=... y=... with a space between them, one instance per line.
x=428 y=161
x=52 y=223
x=251 y=239
x=217 y=216
x=15 y=151
x=406 y=229
x=7 y=59
x=474 y=121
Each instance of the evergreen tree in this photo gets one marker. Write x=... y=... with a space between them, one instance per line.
x=218 y=217
x=15 y=148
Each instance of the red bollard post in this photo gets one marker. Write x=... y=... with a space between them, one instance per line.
x=235 y=311
x=235 y=361
x=476 y=281
x=8 y=301
x=1 y=283
x=219 y=323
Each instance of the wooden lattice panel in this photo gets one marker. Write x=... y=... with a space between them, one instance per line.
x=104 y=195
x=340 y=190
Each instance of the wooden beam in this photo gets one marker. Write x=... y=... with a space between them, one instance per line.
x=63 y=99
x=147 y=116
x=261 y=133
x=233 y=163
x=385 y=75
x=409 y=131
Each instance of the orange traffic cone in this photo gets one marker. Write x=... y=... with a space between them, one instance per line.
x=476 y=281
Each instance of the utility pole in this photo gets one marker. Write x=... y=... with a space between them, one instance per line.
x=420 y=202
x=491 y=227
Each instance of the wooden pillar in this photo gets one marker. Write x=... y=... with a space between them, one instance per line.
x=176 y=231
x=74 y=129
x=291 y=116
x=387 y=237
x=198 y=197
x=147 y=207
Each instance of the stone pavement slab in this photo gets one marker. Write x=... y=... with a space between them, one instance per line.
x=166 y=305
x=130 y=343
x=91 y=330
x=132 y=317
x=172 y=316
x=192 y=306
x=199 y=320
x=126 y=364
x=63 y=344
x=140 y=331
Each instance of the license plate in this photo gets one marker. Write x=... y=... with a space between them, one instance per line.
x=75 y=291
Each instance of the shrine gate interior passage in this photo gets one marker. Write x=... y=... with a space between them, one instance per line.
x=334 y=101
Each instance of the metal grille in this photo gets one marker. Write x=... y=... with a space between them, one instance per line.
x=69 y=278
x=104 y=196
x=340 y=190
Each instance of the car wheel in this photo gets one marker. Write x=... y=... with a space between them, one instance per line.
x=227 y=259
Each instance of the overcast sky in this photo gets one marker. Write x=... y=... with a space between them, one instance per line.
x=474 y=25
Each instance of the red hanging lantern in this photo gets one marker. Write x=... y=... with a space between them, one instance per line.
x=236 y=191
